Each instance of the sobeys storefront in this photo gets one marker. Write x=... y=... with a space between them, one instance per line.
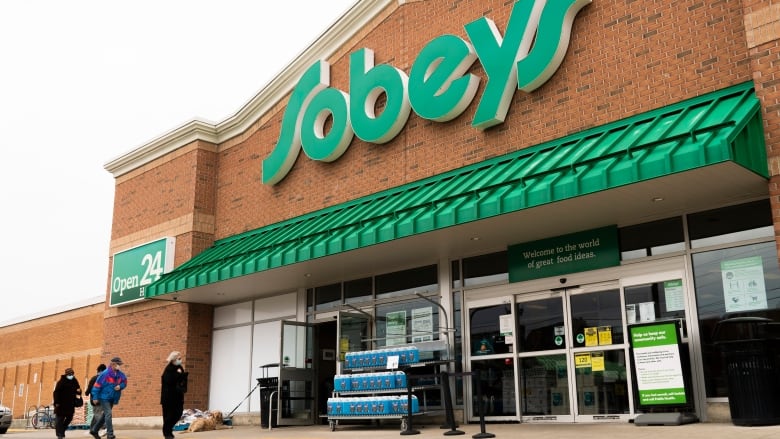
x=507 y=192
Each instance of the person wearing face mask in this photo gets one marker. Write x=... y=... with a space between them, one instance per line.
x=66 y=392
x=174 y=386
x=107 y=390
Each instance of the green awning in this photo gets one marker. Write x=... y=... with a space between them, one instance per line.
x=723 y=126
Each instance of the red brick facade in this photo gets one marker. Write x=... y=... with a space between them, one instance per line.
x=625 y=57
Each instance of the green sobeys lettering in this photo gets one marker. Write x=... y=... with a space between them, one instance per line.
x=438 y=87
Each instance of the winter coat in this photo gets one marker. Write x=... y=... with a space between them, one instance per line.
x=103 y=389
x=174 y=386
x=64 y=395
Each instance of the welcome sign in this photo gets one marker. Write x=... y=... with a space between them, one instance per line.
x=438 y=87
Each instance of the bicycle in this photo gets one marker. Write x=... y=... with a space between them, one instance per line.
x=44 y=418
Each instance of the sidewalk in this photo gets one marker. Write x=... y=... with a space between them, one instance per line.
x=508 y=431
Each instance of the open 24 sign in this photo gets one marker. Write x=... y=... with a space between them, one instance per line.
x=135 y=268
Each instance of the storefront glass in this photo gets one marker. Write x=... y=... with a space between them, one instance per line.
x=733 y=282
x=496 y=379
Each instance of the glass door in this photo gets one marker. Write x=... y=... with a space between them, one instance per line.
x=598 y=365
x=542 y=343
x=354 y=334
x=296 y=396
x=492 y=360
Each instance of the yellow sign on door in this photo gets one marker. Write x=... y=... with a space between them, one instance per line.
x=582 y=360
x=591 y=336
x=605 y=335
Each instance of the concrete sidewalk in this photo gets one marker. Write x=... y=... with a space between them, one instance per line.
x=509 y=431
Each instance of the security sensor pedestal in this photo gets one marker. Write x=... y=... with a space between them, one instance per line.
x=665 y=419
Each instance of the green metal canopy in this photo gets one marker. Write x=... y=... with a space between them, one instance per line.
x=723 y=126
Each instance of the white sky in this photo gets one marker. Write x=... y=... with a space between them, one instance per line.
x=83 y=82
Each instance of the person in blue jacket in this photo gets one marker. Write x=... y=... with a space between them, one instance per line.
x=107 y=390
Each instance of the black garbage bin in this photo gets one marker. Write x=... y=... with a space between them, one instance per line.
x=750 y=351
x=268 y=406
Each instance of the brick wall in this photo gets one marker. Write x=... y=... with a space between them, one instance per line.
x=625 y=57
x=35 y=354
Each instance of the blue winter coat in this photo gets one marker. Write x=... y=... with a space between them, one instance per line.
x=103 y=389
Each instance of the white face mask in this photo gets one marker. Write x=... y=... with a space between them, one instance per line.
x=70 y=377
x=118 y=367
x=177 y=362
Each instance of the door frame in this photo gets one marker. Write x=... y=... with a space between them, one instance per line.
x=628 y=274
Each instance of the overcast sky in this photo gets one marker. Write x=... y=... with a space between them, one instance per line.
x=84 y=82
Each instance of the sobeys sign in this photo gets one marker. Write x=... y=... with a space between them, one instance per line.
x=438 y=87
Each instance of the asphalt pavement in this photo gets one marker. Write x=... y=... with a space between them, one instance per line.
x=509 y=431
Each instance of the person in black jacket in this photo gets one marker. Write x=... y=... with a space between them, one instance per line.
x=66 y=392
x=174 y=386
x=96 y=409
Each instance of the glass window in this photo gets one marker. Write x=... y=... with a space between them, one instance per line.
x=544 y=385
x=656 y=301
x=486 y=269
x=417 y=280
x=486 y=338
x=735 y=282
x=596 y=310
x=310 y=299
x=496 y=379
x=457 y=318
x=327 y=297
x=358 y=290
x=653 y=238
x=730 y=224
x=540 y=325
x=406 y=322
x=456 y=281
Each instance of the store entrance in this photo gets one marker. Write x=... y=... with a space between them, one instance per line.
x=563 y=354
x=572 y=355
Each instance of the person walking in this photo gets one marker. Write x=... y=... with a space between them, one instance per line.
x=174 y=386
x=96 y=410
x=107 y=390
x=67 y=392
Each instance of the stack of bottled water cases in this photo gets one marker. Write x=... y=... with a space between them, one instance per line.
x=372 y=406
x=378 y=357
x=367 y=382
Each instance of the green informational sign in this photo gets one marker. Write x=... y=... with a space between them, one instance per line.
x=577 y=252
x=395 y=328
x=657 y=364
x=138 y=267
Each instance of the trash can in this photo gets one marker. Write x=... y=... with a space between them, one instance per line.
x=268 y=385
x=750 y=351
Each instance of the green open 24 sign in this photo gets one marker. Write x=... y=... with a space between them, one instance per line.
x=138 y=267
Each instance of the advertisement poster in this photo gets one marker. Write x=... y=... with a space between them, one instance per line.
x=395 y=327
x=591 y=336
x=743 y=284
x=673 y=295
x=422 y=324
x=657 y=363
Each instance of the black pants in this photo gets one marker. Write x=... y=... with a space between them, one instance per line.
x=62 y=421
x=171 y=415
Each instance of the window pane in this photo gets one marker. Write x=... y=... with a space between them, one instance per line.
x=327 y=297
x=728 y=222
x=734 y=282
x=417 y=280
x=407 y=322
x=358 y=290
x=659 y=300
x=486 y=269
x=654 y=238
x=540 y=325
x=594 y=310
x=497 y=379
x=486 y=338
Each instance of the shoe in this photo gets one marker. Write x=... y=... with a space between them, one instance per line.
x=93 y=434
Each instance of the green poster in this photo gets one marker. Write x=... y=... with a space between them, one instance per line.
x=395 y=326
x=657 y=364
